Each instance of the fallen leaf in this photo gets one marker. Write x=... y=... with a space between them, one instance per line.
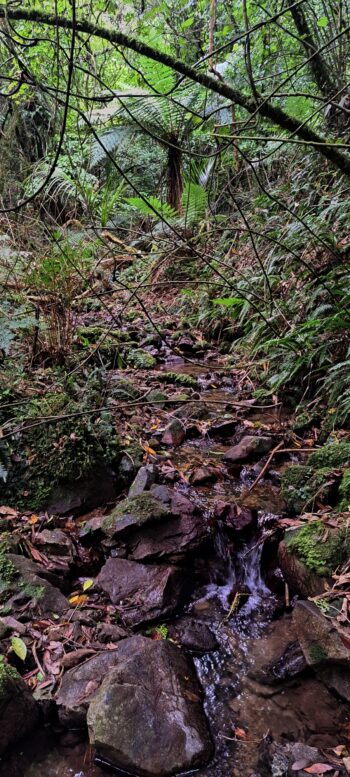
x=33 y=519
x=78 y=599
x=87 y=584
x=319 y=769
x=240 y=733
x=148 y=450
x=19 y=647
x=9 y=511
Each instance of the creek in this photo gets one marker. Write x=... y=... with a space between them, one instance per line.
x=241 y=598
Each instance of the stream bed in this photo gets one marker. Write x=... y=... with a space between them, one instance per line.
x=242 y=601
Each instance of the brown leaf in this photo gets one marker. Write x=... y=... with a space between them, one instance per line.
x=319 y=769
x=240 y=733
x=76 y=656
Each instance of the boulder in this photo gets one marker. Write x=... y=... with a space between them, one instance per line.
x=277 y=655
x=325 y=649
x=132 y=513
x=249 y=446
x=145 y=591
x=235 y=517
x=175 y=537
x=301 y=579
x=223 y=429
x=143 y=480
x=80 y=684
x=19 y=712
x=147 y=716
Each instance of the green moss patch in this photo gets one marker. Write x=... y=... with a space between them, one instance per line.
x=335 y=455
x=301 y=485
x=321 y=556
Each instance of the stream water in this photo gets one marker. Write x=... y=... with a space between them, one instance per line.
x=250 y=628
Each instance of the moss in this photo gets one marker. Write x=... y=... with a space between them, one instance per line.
x=7 y=673
x=7 y=569
x=344 y=491
x=301 y=484
x=317 y=653
x=143 y=508
x=322 y=557
x=305 y=420
x=141 y=359
x=179 y=378
x=335 y=455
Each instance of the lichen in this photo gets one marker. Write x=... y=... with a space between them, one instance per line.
x=302 y=484
x=335 y=455
x=321 y=556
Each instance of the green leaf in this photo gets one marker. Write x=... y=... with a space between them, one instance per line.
x=228 y=302
x=19 y=647
x=188 y=23
x=322 y=21
x=87 y=584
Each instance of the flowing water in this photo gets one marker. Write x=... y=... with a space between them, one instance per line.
x=249 y=623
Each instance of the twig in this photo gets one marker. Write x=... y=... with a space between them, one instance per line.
x=266 y=466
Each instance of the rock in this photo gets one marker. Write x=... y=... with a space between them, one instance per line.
x=300 y=578
x=164 y=494
x=323 y=648
x=321 y=548
x=140 y=359
x=30 y=584
x=19 y=711
x=194 y=635
x=302 y=485
x=99 y=487
x=203 y=475
x=146 y=591
x=180 y=504
x=223 y=430
x=277 y=655
x=143 y=481
x=80 y=684
x=132 y=513
x=110 y=632
x=157 y=398
x=55 y=542
x=147 y=717
x=92 y=529
x=9 y=624
x=174 y=537
x=174 y=433
x=284 y=759
x=248 y=446
x=235 y=517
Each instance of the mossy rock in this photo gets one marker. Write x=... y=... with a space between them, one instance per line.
x=19 y=712
x=59 y=454
x=123 y=389
x=319 y=552
x=181 y=379
x=302 y=484
x=140 y=359
x=344 y=492
x=134 y=512
x=335 y=455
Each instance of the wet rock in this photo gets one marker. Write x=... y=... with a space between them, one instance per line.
x=147 y=716
x=300 y=578
x=323 y=647
x=110 y=632
x=143 y=481
x=175 y=538
x=303 y=485
x=277 y=655
x=145 y=591
x=30 y=584
x=223 y=430
x=174 y=433
x=80 y=684
x=164 y=494
x=248 y=446
x=9 y=624
x=91 y=530
x=132 y=513
x=181 y=505
x=235 y=517
x=194 y=635
x=185 y=344
x=203 y=475
x=284 y=759
x=19 y=712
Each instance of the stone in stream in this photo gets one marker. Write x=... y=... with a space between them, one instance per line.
x=80 y=684
x=146 y=591
x=174 y=433
x=147 y=716
x=248 y=447
x=19 y=712
x=276 y=656
x=132 y=513
x=325 y=649
x=203 y=475
x=194 y=635
x=223 y=429
x=173 y=538
x=235 y=517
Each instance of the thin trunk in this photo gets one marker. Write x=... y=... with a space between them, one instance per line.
x=175 y=180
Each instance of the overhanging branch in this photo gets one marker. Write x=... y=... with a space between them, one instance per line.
x=267 y=109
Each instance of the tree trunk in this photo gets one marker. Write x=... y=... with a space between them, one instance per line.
x=175 y=181
x=318 y=66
